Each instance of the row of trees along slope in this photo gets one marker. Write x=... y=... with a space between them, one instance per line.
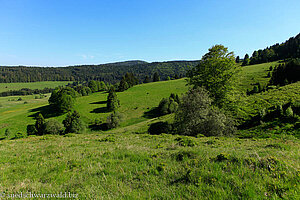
x=286 y=50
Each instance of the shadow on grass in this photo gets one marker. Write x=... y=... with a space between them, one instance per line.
x=46 y=111
x=100 y=110
x=99 y=127
x=99 y=102
x=152 y=113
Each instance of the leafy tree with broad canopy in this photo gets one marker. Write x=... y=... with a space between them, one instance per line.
x=215 y=73
x=63 y=99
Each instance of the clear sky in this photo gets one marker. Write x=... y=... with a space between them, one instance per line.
x=69 y=32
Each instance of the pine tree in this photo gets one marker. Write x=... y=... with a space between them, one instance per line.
x=40 y=124
x=156 y=77
x=246 y=60
x=123 y=85
x=112 y=101
x=237 y=60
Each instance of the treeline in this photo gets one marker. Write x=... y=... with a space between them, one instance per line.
x=111 y=73
x=25 y=91
x=286 y=50
x=282 y=74
x=286 y=73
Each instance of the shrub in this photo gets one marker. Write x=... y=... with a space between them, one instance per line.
x=170 y=105
x=289 y=112
x=31 y=130
x=195 y=116
x=159 y=128
x=113 y=120
x=163 y=107
x=173 y=106
x=53 y=127
x=73 y=123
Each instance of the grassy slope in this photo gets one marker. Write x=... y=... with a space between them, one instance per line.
x=140 y=166
x=134 y=103
x=15 y=114
x=272 y=97
x=33 y=85
x=252 y=74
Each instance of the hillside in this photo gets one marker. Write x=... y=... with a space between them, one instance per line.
x=111 y=72
x=140 y=99
x=134 y=103
x=252 y=74
x=129 y=163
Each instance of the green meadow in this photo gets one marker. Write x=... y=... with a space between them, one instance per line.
x=252 y=74
x=135 y=102
x=128 y=163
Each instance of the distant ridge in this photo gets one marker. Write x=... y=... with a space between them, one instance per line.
x=110 y=72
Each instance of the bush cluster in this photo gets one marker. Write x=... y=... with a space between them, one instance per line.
x=71 y=124
x=168 y=105
x=196 y=115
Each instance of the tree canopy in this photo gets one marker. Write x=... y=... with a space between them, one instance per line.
x=63 y=99
x=215 y=72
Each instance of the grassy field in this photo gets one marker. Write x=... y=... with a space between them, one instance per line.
x=252 y=74
x=140 y=166
x=134 y=103
x=15 y=114
x=33 y=85
x=128 y=163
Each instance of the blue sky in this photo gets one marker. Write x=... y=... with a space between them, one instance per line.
x=63 y=32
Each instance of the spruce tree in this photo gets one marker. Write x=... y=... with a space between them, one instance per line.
x=156 y=77
x=112 y=101
x=40 y=124
x=237 y=60
x=246 y=60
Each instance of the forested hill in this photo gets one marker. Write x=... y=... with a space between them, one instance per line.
x=285 y=50
x=111 y=72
